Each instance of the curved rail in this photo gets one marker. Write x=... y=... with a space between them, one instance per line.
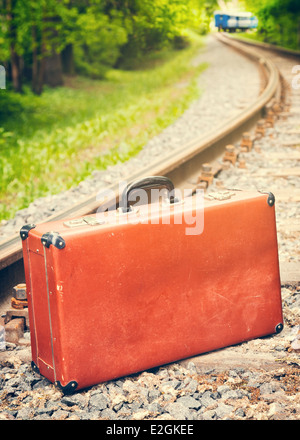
x=186 y=160
x=268 y=47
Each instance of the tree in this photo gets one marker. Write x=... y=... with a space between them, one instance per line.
x=41 y=39
x=279 y=21
x=99 y=38
x=12 y=19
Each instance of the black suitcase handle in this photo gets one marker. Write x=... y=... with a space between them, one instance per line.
x=147 y=183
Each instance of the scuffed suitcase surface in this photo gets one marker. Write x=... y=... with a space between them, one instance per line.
x=125 y=298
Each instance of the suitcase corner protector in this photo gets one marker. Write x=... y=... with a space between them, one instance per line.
x=35 y=367
x=24 y=231
x=70 y=388
x=271 y=199
x=53 y=238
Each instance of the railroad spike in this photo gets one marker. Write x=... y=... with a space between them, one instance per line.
x=19 y=291
x=230 y=154
x=242 y=163
x=260 y=128
x=19 y=303
x=246 y=142
x=19 y=298
x=277 y=108
x=207 y=174
x=270 y=120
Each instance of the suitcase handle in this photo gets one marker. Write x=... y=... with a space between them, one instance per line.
x=147 y=183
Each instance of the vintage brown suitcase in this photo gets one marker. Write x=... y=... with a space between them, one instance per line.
x=111 y=296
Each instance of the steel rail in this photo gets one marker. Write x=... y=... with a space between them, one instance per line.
x=185 y=160
x=266 y=46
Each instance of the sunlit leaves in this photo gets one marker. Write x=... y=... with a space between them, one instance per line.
x=279 y=21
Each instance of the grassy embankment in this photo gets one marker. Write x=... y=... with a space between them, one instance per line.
x=258 y=37
x=58 y=138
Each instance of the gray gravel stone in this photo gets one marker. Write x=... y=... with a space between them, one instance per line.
x=108 y=414
x=178 y=411
x=232 y=394
x=223 y=410
x=76 y=399
x=206 y=399
x=153 y=395
x=98 y=401
x=189 y=402
x=25 y=413
x=155 y=408
x=240 y=412
x=60 y=414
x=223 y=389
x=267 y=388
x=208 y=415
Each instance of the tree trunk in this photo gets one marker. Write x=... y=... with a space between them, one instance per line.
x=53 y=65
x=16 y=70
x=47 y=66
x=53 y=70
x=67 y=59
x=38 y=64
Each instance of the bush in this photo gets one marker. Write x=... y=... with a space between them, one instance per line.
x=100 y=41
x=10 y=104
x=180 y=42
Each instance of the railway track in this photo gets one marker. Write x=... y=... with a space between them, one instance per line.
x=183 y=167
x=267 y=361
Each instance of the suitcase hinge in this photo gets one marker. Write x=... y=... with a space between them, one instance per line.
x=53 y=238
x=24 y=231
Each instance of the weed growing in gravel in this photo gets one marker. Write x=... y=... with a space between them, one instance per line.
x=59 y=138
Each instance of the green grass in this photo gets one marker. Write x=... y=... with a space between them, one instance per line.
x=60 y=137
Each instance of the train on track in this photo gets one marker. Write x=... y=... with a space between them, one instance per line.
x=231 y=22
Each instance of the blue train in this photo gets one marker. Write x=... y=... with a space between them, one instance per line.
x=235 y=21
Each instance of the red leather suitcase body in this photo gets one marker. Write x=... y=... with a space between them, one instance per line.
x=108 y=299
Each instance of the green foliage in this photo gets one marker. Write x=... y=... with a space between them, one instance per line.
x=58 y=138
x=52 y=140
x=102 y=33
x=10 y=105
x=155 y=24
x=99 y=40
x=279 y=21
